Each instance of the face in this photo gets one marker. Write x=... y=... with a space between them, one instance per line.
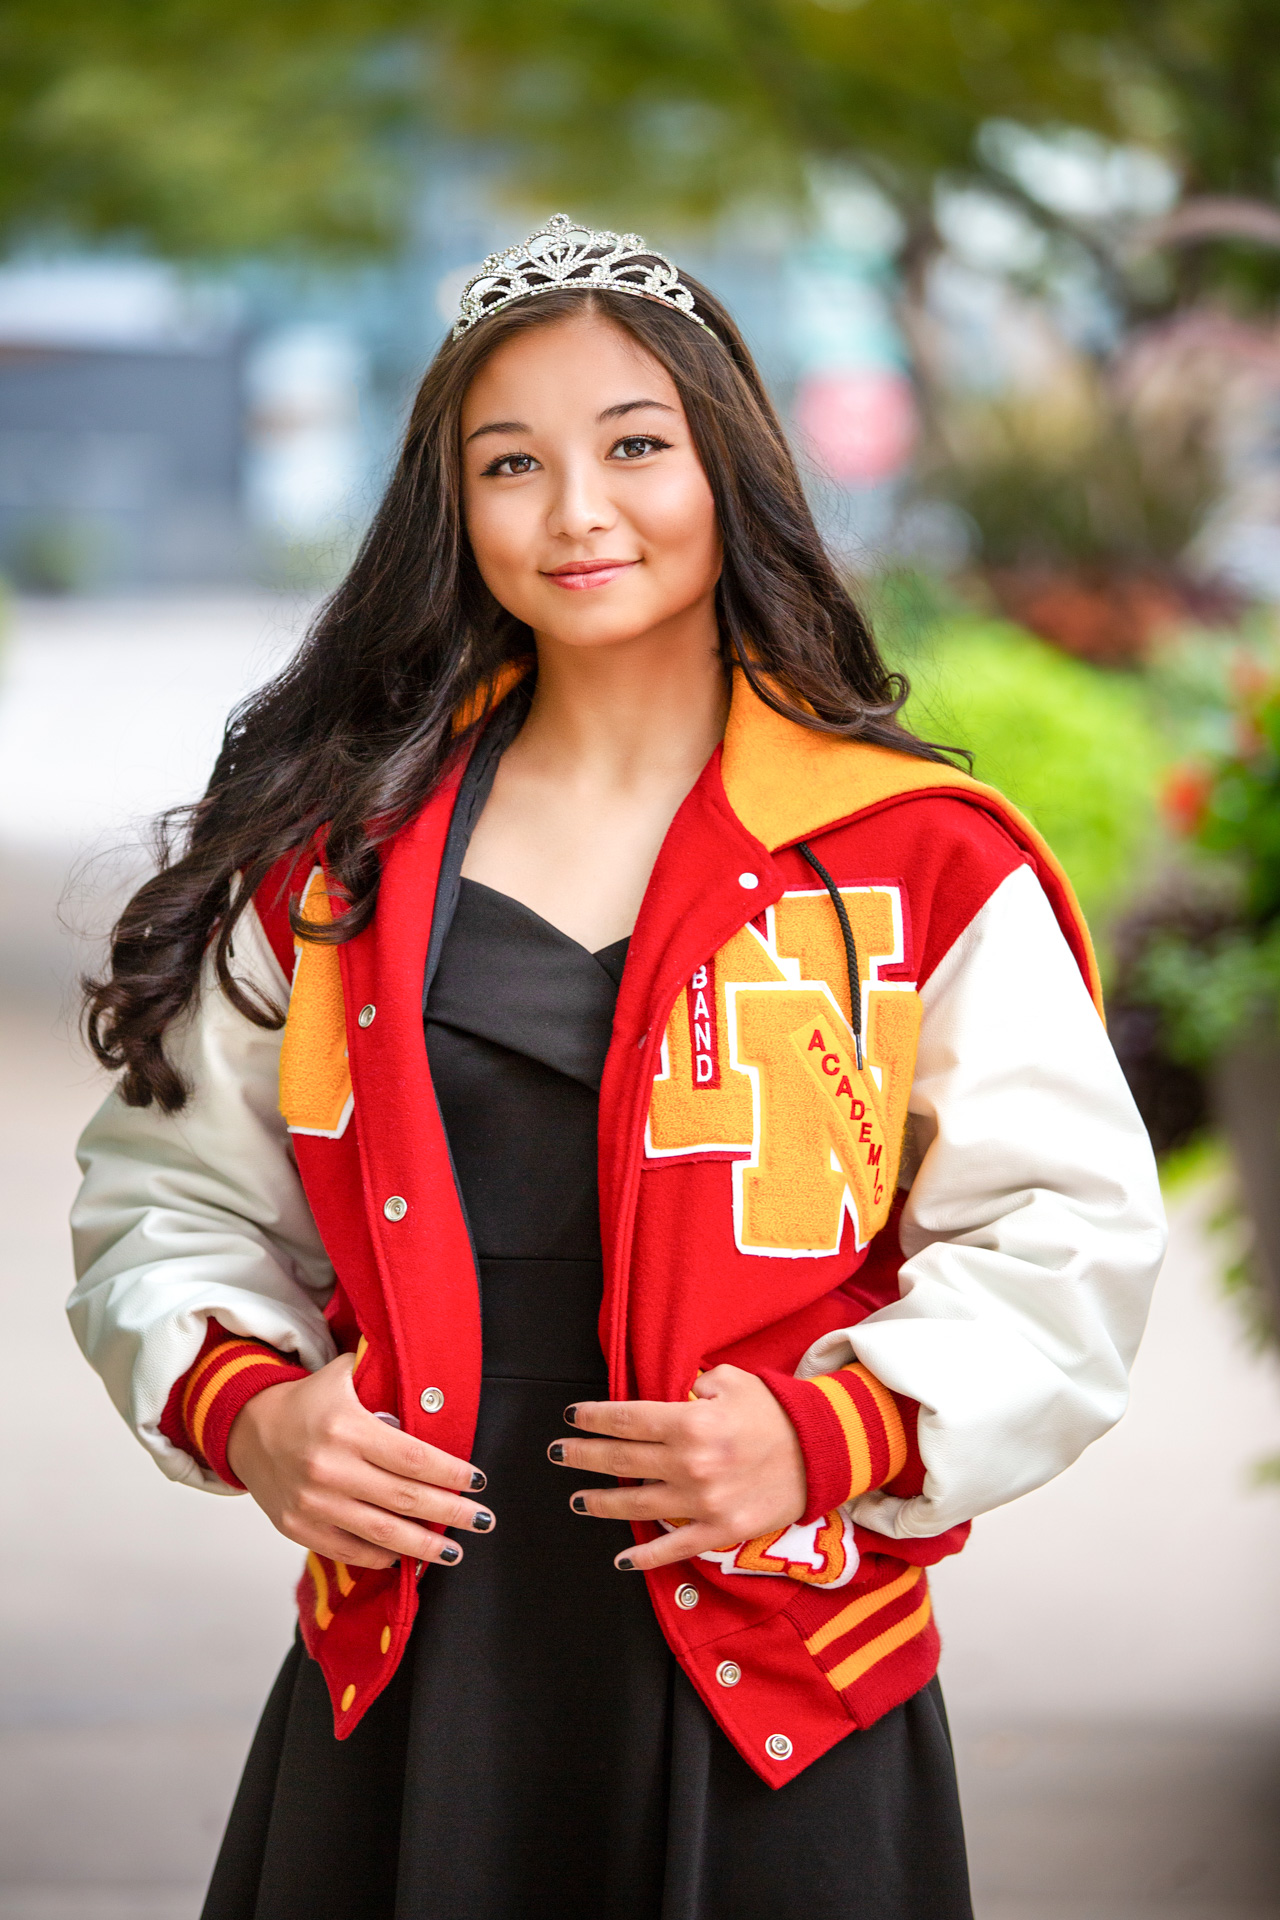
x=587 y=507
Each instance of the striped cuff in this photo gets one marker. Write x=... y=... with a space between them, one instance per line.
x=851 y=1430
x=225 y=1377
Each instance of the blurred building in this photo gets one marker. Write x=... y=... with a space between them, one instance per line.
x=120 y=427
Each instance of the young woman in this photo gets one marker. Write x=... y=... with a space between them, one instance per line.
x=763 y=1203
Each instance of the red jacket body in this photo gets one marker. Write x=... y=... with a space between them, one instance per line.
x=747 y=1175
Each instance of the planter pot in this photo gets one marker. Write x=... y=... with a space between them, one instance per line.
x=1109 y=616
x=1247 y=1096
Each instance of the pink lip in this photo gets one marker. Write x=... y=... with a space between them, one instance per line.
x=578 y=575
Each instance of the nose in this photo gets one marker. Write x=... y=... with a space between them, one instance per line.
x=580 y=505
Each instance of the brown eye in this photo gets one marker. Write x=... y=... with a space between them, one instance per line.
x=511 y=464
x=637 y=445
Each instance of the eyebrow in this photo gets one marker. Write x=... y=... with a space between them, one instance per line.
x=499 y=426
x=610 y=413
x=632 y=406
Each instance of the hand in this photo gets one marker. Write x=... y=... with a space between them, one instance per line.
x=331 y=1476
x=726 y=1463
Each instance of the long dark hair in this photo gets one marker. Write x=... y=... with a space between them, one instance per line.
x=356 y=731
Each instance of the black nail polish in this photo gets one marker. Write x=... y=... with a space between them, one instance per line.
x=478 y=1481
x=556 y=1453
x=579 y=1503
x=625 y=1566
x=571 y=1416
x=450 y=1554
x=482 y=1522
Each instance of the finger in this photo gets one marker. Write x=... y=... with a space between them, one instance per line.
x=651 y=1420
x=412 y=1501
x=399 y=1453
x=683 y=1544
x=387 y=1531
x=336 y=1544
x=625 y=1459
x=653 y=1502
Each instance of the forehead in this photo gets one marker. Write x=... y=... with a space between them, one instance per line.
x=568 y=368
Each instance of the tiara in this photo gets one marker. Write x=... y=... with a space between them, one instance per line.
x=565 y=254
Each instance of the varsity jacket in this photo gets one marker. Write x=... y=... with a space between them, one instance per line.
x=925 y=1212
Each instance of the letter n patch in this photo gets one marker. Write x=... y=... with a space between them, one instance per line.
x=758 y=1067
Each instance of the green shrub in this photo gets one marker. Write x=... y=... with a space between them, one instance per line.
x=1075 y=748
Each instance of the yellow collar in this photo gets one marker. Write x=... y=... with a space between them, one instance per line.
x=785 y=781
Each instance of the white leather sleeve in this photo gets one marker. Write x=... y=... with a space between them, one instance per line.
x=1032 y=1232
x=196 y=1214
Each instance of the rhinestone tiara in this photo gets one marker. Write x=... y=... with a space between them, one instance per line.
x=566 y=254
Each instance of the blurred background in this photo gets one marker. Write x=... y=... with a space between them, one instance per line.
x=1011 y=270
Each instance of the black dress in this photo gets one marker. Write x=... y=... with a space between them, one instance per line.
x=539 y=1755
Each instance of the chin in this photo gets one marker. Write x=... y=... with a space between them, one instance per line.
x=606 y=628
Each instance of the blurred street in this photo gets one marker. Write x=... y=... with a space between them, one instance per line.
x=1112 y=1657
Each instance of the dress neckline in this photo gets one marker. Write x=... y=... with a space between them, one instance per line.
x=615 y=952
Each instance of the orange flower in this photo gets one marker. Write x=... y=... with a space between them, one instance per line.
x=1186 y=797
x=1249 y=677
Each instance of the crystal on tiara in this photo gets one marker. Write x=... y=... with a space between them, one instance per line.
x=565 y=254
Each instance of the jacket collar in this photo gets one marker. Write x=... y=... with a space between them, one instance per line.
x=784 y=782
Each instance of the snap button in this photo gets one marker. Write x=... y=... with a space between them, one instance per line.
x=365 y=1017
x=396 y=1207
x=687 y=1597
x=778 y=1747
x=432 y=1400
x=728 y=1673
x=348 y=1696
x=748 y=880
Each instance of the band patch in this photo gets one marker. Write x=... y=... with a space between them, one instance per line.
x=758 y=1066
x=704 y=1051
x=315 y=1074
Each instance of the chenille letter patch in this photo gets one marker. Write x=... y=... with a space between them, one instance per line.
x=758 y=1067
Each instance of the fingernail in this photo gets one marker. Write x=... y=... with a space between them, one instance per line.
x=482 y=1522
x=478 y=1481
x=571 y=1416
x=579 y=1503
x=624 y=1565
x=556 y=1453
x=450 y=1554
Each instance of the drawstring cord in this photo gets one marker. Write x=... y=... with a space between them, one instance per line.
x=850 y=950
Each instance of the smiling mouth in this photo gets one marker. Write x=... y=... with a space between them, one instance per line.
x=577 y=575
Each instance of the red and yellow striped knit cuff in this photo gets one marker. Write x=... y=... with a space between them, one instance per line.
x=851 y=1430
x=227 y=1375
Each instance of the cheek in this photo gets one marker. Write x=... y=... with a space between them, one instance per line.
x=678 y=519
x=498 y=531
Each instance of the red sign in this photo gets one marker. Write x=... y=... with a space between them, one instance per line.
x=859 y=423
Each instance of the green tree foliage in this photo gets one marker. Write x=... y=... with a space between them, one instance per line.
x=206 y=128
x=1075 y=749
x=199 y=128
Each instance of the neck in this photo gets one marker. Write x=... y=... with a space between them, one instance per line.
x=624 y=715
